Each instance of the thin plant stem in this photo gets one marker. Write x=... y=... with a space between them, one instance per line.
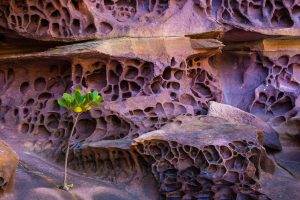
x=66 y=187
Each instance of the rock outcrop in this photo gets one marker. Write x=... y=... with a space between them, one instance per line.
x=8 y=164
x=201 y=97
x=81 y=20
x=230 y=113
x=206 y=158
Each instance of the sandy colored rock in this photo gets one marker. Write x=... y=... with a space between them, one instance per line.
x=8 y=164
x=230 y=113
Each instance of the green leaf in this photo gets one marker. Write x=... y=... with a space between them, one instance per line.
x=99 y=99
x=95 y=95
x=68 y=98
x=62 y=103
x=83 y=101
x=78 y=95
x=89 y=96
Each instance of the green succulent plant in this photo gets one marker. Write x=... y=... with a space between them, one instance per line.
x=77 y=102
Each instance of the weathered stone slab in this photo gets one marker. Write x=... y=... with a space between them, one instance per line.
x=205 y=156
x=150 y=49
x=233 y=114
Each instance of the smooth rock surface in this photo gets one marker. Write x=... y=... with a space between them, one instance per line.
x=230 y=113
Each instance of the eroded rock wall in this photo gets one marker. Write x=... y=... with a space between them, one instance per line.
x=79 y=19
x=180 y=61
x=144 y=93
x=273 y=76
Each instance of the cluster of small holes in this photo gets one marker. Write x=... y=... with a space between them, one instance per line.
x=69 y=19
x=213 y=172
x=39 y=115
x=60 y=19
x=204 y=85
x=204 y=7
x=133 y=10
x=270 y=13
x=110 y=164
x=110 y=126
x=115 y=79
x=188 y=83
x=275 y=99
x=154 y=116
x=73 y=18
x=120 y=10
x=46 y=126
x=188 y=88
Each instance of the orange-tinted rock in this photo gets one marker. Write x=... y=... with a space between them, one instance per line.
x=8 y=163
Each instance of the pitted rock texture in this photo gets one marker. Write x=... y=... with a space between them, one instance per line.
x=8 y=164
x=73 y=19
x=78 y=20
x=275 y=100
x=291 y=127
x=269 y=85
x=139 y=96
x=30 y=102
x=52 y=18
x=146 y=89
x=259 y=14
x=110 y=164
x=206 y=158
x=191 y=81
x=142 y=95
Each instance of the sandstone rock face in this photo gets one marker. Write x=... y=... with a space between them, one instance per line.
x=206 y=157
x=194 y=91
x=8 y=164
x=272 y=76
x=145 y=90
x=78 y=20
x=233 y=114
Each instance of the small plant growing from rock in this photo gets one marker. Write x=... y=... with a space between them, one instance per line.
x=77 y=102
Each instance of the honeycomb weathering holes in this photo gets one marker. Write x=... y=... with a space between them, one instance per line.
x=71 y=18
x=117 y=80
x=275 y=98
x=161 y=95
x=266 y=14
x=185 y=171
